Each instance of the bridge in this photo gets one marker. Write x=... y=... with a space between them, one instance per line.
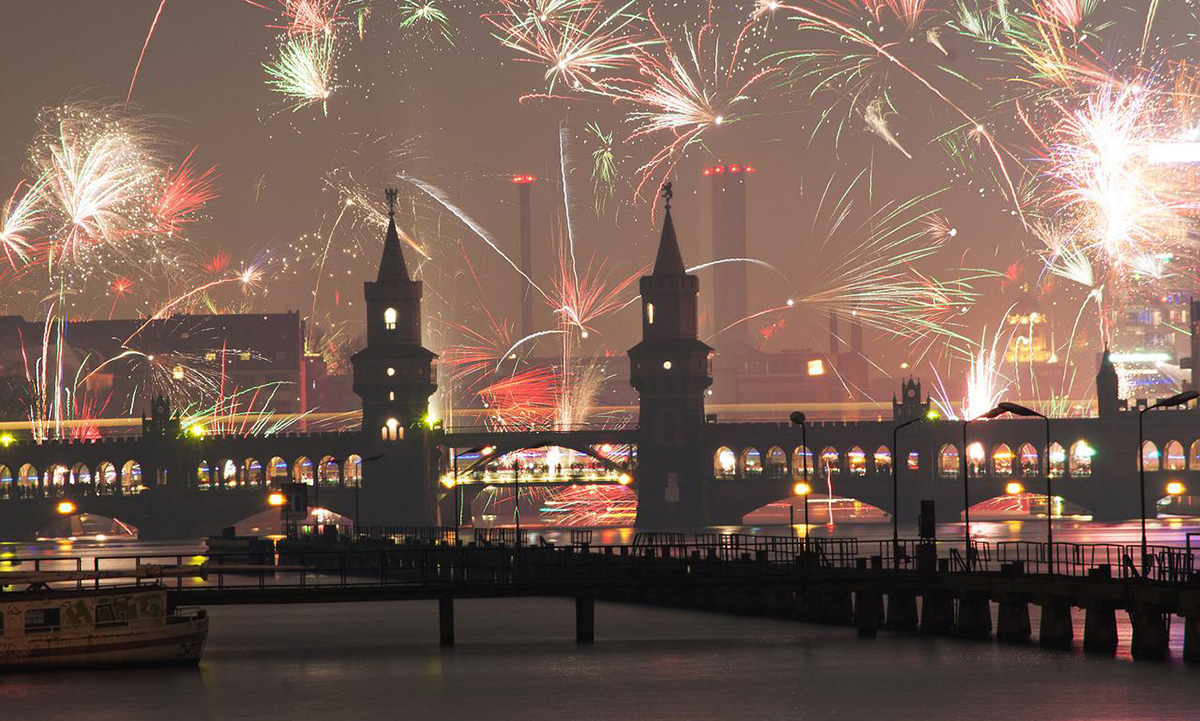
x=868 y=585
x=686 y=467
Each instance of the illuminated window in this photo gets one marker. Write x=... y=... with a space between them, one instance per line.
x=975 y=458
x=802 y=463
x=666 y=365
x=1002 y=460
x=914 y=461
x=1030 y=466
x=389 y=319
x=1058 y=461
x=883 y=460
x=776 y=463
x=1149 y=456
x=245 y=355
x=857 y=461
x=391 y=371
x=177 y=373
x=1173 y=459
x=816 y=367
x=391 y=395
x=650 y=314
x=392 y=431
x=210 y=356
x=829 y=461
x=1081 y=459
x=751 y=462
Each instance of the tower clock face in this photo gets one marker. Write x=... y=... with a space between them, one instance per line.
x=912 y=393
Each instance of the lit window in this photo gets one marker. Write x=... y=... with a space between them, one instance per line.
x=666 y=365
x=389 y=319
x=391 y=371
x=245 y=355
x=650 y=314
x=177 y=373
x=391 y=395
x=210 y=356
x=816 y=367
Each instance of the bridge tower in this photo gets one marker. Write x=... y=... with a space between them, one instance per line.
x=395 y=376
x=671 y=370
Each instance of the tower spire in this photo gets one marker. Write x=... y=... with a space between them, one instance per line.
x=669 y=260
x=392 y=268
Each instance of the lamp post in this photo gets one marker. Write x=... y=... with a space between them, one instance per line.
x=1022 y=411
x=932 y=415
x=799 y=419
x=458 y=498
x=1179 y=399
x=966 y=486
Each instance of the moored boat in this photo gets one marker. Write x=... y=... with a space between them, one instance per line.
x=106 y=626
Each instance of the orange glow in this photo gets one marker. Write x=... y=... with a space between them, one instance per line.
x=524 y=179
x=1175 y=488
x=66 y=508
x=1013 y=488
x=802 y=489
x=276 y=499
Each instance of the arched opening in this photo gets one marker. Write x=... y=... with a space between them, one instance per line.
x=1002 y=460
x=227 y=470
x=948 y=461
x=802 y=463
x=81 y=476
x=7 y=487
x=1194 y=454
x=1149 y=456
x=776 y=463
x=27 y=481
x=203 y=476
x=354 y=470
x=1081 y=459
x=252 y=472
x=389 y=318
x=1058 y=460
x=278 y=470
x=1029 y=460
x=1173 y=459
x=914 y=460
x=107 y=480
x=856 y=461
x=302 y=471
x=883 y=461
x=829 y=461
x=54 y=483
x=328 y=472
x=724 y=464
x=131 y=478
x=975 y=460
x=751 y=463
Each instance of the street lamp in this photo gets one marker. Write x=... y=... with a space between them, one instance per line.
x=457 y=487
x=966 y=487
x=798 y=419
x=1179 y=399
x=1019 y=410
x=932 y=416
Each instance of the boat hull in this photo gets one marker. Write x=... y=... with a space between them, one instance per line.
x=179 y=643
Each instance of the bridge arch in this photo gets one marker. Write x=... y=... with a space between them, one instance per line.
x=225 y=473
x=976 y=460
x=1027 y=457
x=302 y=470
x=203 y=475
x=54 y=482
x=750 y=463
x=1149 y=456
x=277 y=470
x=1081 y=459
x=1173 y=458
x=1194 y=455
x=856 y=461
x=724 y=464
x=329 y=471
x=81 y=475
x=27 y=481
x=777 y=463
x=1058 y=460
x=131 y=478
x=107 y=479
x=883 y=461
x=1002 y=460
x=352 y=470
x=948 y=464
x=802 y=463
x=829 y=461
x=252 y=472
x=7 y=489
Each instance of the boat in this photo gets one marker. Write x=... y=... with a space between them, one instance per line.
x=108 y=626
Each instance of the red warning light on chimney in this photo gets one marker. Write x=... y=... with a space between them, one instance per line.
x=722 y=169
x=523 y=179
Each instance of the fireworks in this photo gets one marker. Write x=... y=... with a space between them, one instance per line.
x=20 y=219
x=303 y=72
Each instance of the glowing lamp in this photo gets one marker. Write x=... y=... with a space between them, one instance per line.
x=748 y=169
x=708 y=171
x=624 y=479
x=1175 y=488
x=932 y=415
x=276 y=499
x=487 y=450
x=524 y=179
x=65 y=508
x=735 y=168
x=6 y=440
x=802 y=489
x=449 y=481
x=1013 y=488
x=718 y=170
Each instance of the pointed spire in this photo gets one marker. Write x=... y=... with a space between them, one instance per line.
x=392 y=268
x=669 y=260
